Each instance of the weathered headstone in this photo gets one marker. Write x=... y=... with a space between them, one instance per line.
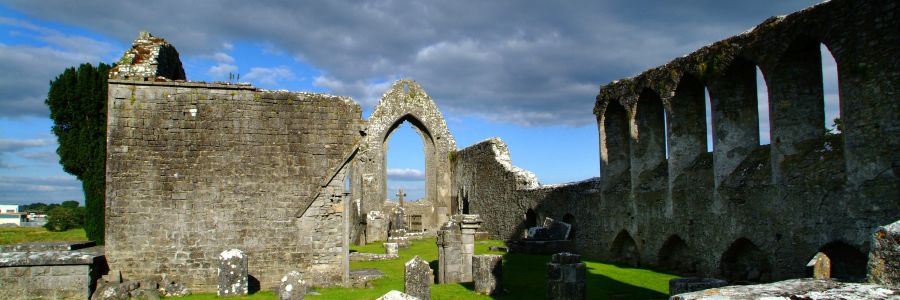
x=232 y=273
x=396 y=295
x=884 y=258
x=292 y=287
x=376 y=227
x=398 y=218
x=566 y=276
x=692 y=284
x=391 y=249
x=821 y=266
x=487 y=272
x=418 y=278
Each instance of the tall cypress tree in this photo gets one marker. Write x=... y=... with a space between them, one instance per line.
x=77 y=101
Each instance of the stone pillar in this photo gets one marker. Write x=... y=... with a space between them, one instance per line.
x=615 y=160
x=566 y=276
x=734 y=117
x=468 y=224
x=821 y=265
x=292 y=287
x=418 y=278
x=487 y=272
x=391 y=249
x=449 y=242
x=884 y=258
x=232 y=273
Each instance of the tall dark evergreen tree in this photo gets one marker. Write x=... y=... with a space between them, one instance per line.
x=77 y=101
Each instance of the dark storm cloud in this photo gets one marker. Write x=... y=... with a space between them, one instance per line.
x=525 y=62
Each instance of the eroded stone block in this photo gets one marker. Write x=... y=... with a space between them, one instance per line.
x=566 y=276
x=487 y=272
x=292 y=287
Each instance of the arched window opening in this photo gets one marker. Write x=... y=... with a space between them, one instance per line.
x=831 y=92
x=762 y=108
x=405 y=164
x=847 y=262
x=530 y=219
x=624 y=249
x=674 y=256
x=743 y=262
x=709 y=120
x=570 y=219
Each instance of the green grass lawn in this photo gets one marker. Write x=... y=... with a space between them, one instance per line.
x=13 y=235
x=524 y=277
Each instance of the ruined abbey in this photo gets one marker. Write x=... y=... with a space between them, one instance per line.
x=293 y=178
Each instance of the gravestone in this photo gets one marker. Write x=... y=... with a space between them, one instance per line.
x=398 y=219
x=391 y=249
x=376 y=227
x=292 y=287
x=821 y=265
x=418 y=278
x=566 y=276
x=232 y=273
x=487 y=272
x=552 y=230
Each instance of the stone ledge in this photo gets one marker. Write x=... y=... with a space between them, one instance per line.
x=47 y=246
x=85 y=256
x=796 y=289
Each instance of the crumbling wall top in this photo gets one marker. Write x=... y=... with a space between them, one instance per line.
x=150 y=58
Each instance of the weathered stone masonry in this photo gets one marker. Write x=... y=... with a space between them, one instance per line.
x=744 y=211
x=197 y=168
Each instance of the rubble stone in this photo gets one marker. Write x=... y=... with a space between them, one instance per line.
x=566 y=276
x=806 y=288
x=691 y=284
x=884 y=258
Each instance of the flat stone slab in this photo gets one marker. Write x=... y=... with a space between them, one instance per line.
x=360 y=278
x=362 y=256
x=397 y=295
x=807 y=288
x=50 y=258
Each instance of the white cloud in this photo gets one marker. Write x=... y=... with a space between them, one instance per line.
x=270 y=76
x=10 y=145
x=42 y=156
x=222 y=70
x=405 y=174
x=366 y=93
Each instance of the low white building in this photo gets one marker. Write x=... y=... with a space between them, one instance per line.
x=9 y=214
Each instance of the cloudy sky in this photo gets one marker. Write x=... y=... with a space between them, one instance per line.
x=526 y=71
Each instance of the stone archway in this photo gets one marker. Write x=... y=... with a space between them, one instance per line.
x=406 y=101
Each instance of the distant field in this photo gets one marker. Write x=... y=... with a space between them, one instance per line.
x=524 y=278
x=13 y=235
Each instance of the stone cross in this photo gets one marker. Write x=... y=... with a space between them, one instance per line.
x=418 y=278
x=232 y=273
x=566 y=276
x=400 y=195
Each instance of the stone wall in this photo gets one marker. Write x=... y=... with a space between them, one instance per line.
x=49 y=271
x=745 y=212
x=197 y=168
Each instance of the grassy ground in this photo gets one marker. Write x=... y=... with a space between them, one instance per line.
x=13 y=235
x=524 y=278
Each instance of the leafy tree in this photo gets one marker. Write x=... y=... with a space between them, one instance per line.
x=77 y=101
x=62 y=218
x=69 y=204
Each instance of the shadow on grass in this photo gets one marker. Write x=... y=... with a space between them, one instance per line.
x=525 y=277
